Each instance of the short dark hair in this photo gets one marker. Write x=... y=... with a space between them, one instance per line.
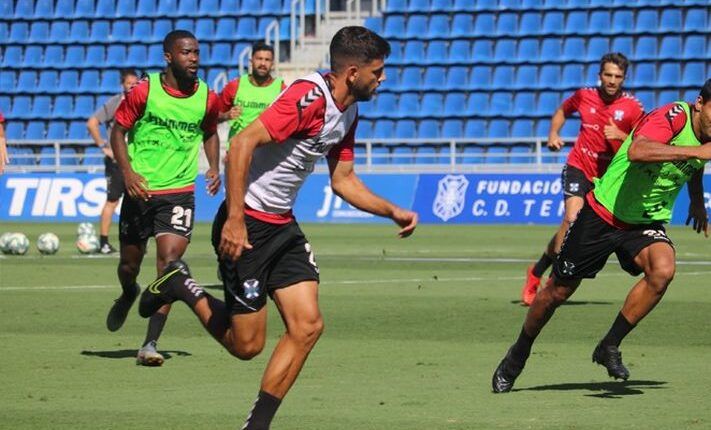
x=125 y=73
x=616 y=58
x=356 y=44
x=705 y=93
x=262 y=46
x=175 y=35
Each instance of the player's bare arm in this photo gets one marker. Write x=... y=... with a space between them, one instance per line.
x=349 y=187
x=234 y=233
x=136 y=185
x=697 y=207
x=211 y=144
x=92 y=124
x=555 y=143
x=646 y=150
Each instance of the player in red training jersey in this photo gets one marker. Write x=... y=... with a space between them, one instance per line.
x=607 y=115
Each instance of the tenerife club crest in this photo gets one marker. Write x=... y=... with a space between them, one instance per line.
x=450 y=196
x=251 y=289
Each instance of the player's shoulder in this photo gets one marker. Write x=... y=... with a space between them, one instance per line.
x=306 y=94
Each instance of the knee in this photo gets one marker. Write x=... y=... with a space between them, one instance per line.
x=660 y=276
x=306 y=333
x=128 y=268
x=553 y=296
x=247 y=349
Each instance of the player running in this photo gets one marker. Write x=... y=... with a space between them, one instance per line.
x=624 y=214
x=607 y=115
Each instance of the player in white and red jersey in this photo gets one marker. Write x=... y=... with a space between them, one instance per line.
x=261 y=249
x=607 y=115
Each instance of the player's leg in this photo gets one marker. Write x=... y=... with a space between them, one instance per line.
x=298 y=305
x=657 y=261
x=114 y=190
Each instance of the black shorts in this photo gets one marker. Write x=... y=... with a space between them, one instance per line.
x=280 y=256
x=162 y=213
x=590 y=241
x=575 y=183
x=114 y=180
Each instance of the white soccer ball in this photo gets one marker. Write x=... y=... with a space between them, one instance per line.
x=48 y=243
x=4 y=239
x=85 y=228
x=17 y=244
x=87 y=244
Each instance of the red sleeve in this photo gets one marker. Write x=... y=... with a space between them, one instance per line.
x=209 y=124
x=2 y=118
x=298 y=112
x=344 y=150
x=662 y=124
x=571 y=104
x=133 y=105
x=227 y=96
x=283 y=85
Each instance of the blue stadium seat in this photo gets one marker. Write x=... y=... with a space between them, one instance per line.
x=414 y=52
x=411 y=79
x=392 y=79
x=696 y=20
x=95 y=55
x=59 y=31
x=592 y=75
x=394 y=27
x=459 y=52
x=92 y=156
x=204 y=29
x=573 y=76
x=550 y=50
x=647 y=98
x=693 y=46
x=33 y=57
x=7 y=82
x=125 y=8
x=6 y=9
x=647 y=20
x=426 y=154
x=464 y=6
x=530 y=24
x=184 y=24
x=364 y=130
x=484 y=25
x=507 y=24
x=473 y=154
x=77 y=130
x=100 y=30
x=386 y=105
x=120 y=31
x=408 y=106
x=221 y=54
x=63 y=107
x=505 y=51
x=384 y=129
x=522 y=128
x=57 y=130
x=48 y=81
x=432 y=105
x=21 y=107
x=249 y=7
x=105 y=9
x=455 y=105
x=477 y=104
x=501 y=104
x=84 y=9
x=644 y=75
x=161 y=27
x=416 y=27
x=671 y=48
x=524 y=104
x=439 y=27
x=374 y=24
x=667 y=96
x=597 y=47
x=528 y=50
x=482 y=51
x=24 y=9
x=405 y=129
x=403 y=154
x=225 y=29
x=646 y=48
x=622 y=21
x=137 y=56
x=475 y=128
x=497 y=154
x=624 y=45
x=670 y=20
x=68 y=81
x=79 y=31
x=47 y=156
x=599 y=22
x=155 y=56
x=13 y=57
x=4 y=30
x=115 y=56
x=229 y=7
x=110 y=81
x=5 y=104
x=503 y=77
x=577 y=22
x=39 y=32
x=247 y=28
x=14 y=131
x=690 y=95
x=74 y=57
x=396 y=56
x=549 y=77
x=142 y=31
x=453 y=128
x=418 y=6
x=19 y=32
x=573 y=49
x=146 y=8
x=436 y=53
x=83 y=107
x=68 y=157
x=548 y=103
x=553 y=23
x=26 y=82
x=694 y=74
x=189 y=8
x=396 y=6
x=441 y=6
x=35 y=130
x=457 y=78
x=480 y=78
x=434 y=79
x=526 y=77
x=41 y=107
x=571 y=128
x=208 y=8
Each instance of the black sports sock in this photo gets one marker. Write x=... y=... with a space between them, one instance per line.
x=155 y=327
x=522 y=348
x=542 y=265
x=620 y=328
x=103 y=240
x=185 y=289
x=262 y=412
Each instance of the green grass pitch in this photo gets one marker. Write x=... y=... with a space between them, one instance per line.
x=414 y=330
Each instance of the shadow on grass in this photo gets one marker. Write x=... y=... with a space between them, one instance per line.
x=131 y=353
x=573 y=302
x=604 y=390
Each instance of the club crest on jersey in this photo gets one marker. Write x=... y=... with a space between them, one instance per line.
x=449 y=201
x=251 y=289
x=618 y=115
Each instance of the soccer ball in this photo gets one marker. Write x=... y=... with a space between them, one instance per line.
x=85 y=228
x=17 y=244
x=87 y=243
x=4 y=239
x=48 y=243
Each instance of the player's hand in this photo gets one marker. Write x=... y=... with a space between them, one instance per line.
x=555 y=143
x=703 y=151
x=234 y=239
x=136 y=185
x=405 y=219
x=213 y=181
x=697 y=213
x=108 y=151
x=234 y=112
x=4 y=158
x=612 y=132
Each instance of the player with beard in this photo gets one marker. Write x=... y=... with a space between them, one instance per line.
x=245 y=98
x=166 y=116
x=607 y=115
x=261 y=249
